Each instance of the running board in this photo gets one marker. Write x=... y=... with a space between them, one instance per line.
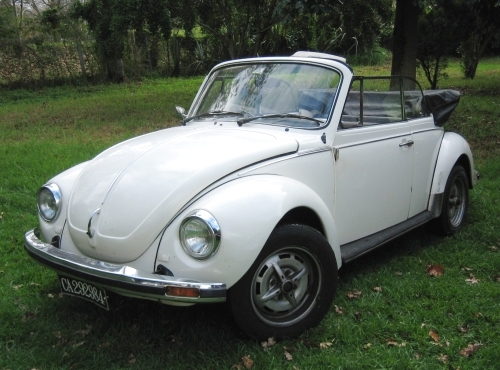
x=355 y=249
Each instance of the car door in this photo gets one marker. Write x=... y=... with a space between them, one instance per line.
x=374 y=165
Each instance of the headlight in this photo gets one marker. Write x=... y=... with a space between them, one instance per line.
x=200 y=235
x=49 y=202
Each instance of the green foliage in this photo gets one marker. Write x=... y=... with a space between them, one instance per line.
x=7 y=25
x=111 y=20
x=440 y=31
x=483 y=28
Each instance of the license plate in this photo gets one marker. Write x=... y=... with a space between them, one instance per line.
x=81 y=289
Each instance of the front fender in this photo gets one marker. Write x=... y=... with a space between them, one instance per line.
x=65 y=181
x=453 y=147
x=247 y=210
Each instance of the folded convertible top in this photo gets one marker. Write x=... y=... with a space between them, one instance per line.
x=441 y=103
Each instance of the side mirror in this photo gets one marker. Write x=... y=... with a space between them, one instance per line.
x=181 y=111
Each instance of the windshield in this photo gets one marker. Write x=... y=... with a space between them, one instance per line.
x=285 y=94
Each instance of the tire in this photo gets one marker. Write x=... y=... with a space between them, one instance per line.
x=297 y=270
x=455 y=202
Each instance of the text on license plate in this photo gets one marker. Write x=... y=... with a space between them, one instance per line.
x=84 y=290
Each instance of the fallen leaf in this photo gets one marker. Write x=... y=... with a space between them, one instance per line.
x=269 y=343
x=493 y=248
x=288 y=356
x=434 y=335
x=325 y=345
x=50 y=295
x=496 y=278
x=237 y=366
x=367 y=345
x=466 y=269
x=377 y=289
x=392 y=343
x=102 y=346
x=399 y=273
x=464 y=329
x=472 y=279
x=339 y=310
x=76 y=345
x=470 y=349
x=354 y=294
x=417 y=355
x=442 y=358
x=58 y=334
x=28 y=316
x=84 y=332
x=422 y=325
x=435 y=270
x=247 y=362
x=16 y=287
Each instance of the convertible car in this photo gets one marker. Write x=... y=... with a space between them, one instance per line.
x=283 y=170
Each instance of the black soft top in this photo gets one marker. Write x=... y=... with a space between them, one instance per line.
x=441 y=103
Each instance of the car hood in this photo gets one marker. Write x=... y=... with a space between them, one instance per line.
x=130 y=192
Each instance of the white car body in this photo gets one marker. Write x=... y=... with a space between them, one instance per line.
x=118 y=220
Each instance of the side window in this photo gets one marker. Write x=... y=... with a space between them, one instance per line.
x=381 y=100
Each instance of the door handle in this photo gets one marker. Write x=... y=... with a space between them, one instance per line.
x=407 y=143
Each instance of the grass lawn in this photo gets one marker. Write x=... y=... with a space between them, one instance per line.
x=390 y=313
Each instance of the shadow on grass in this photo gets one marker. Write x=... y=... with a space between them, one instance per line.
x=409 y=244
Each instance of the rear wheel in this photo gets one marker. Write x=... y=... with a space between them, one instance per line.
x=455 y=202
x=290 y=286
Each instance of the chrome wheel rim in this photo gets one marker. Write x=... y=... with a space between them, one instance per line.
x=456 y=202
x=285 y=286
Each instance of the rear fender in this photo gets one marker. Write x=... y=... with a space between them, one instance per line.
x=247 y=210
x=454 y=149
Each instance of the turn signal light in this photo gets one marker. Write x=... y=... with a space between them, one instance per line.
x=182 y=292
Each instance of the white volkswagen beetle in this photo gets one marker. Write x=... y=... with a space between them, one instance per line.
x=283 y=170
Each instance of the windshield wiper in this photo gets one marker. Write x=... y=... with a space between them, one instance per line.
x=278 y=115
x=213 y=113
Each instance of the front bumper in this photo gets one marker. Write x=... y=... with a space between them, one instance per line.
x=122 y=279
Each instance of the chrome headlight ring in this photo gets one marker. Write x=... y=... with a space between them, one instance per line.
x=200 y=234
x=49 y=200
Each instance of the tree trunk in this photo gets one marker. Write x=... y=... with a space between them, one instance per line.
x=405 y=39
x=116 y=73
x=81 y=58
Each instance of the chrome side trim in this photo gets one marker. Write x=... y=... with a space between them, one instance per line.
x=119 y=278
x=284 y=158
x=436 y=204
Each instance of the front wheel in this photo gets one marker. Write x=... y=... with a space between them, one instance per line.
x=455 y=202
x=289 y=287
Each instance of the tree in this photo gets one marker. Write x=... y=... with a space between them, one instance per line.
x=440 y=31
x=405 y=38
x=243 y=26
x=484 y=26
x=111 y=20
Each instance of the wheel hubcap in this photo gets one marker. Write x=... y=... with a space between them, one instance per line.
x=284 y=286
x=456 y=205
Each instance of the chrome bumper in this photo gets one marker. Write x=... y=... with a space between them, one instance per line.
x=119 y=278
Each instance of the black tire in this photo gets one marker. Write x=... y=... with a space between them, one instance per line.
x=297 y=270
x=455 y=202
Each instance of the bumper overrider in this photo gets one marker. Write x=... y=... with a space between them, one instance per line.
x=122 y=279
